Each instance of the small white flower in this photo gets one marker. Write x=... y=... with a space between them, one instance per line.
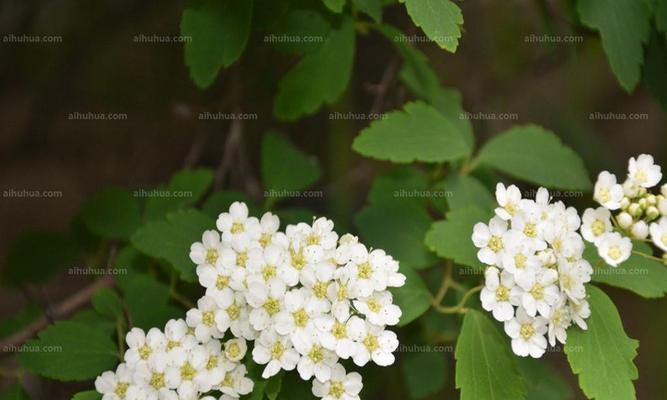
x=179 y=339
x=643 y=171
x=624 y=220
x=216 y=367
x=236 y=383
x=266 y=298
x=580 y=312
x=527 y=334
x=334 y=335
x=378 y=308
x=495 y=295
x=185 y=371
x=614 y=248
x=315 y=360
x=202 y=319
x=234 y=315
x=236 y=226
x=539 y=294
x=659 y=233
x=366 y=272
x=141 y=346
x=235 y=349
x=115 y=385
x=596 y=222
x=208 y=251
x=276 y=352
x=639 y=230
x=572 y=277
x=296 y=320
x=607 y=192
x=489 y=239
x=559 y=321
x=373 y=343
x=341 y=386
x=509 y=200
x=151 y=377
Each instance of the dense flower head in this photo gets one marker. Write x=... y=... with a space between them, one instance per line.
x=536 y=274
x=306 y=299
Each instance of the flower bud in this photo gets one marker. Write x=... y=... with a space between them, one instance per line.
x=630 y=189
x=625 y=203
x=652 y=212
x=235 y=349
x=663 y=190
x=662 y=205
x=634 y=210
x=642 y=203
x=639 y=230
x=664 y=258
x=651 y=199
x=624 y=220
x=642 y=191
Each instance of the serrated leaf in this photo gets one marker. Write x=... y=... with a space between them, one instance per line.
x=464 y=191
x=93 y=319
x=417 y=133
x=603 y=355
x=112 y=213
x=536 y=155
x=70 y=351
x=398 y=184
x=107 y=303
x=13 y=323
x=217 y=32
x=624 y=28
x=543 y=381
x=147 y=301
x=425 y=373
x=335 y=5
x=87 y=395
x=320 y=77
x=219 y=202
x=286 y=168
x=441 y=21
x=485 y=368
x=399 y=229
x=647 y=278
x=185 y=188
x=170 y=240
x=413 y=298
x=14 y=392
x=452 y=238
x=37 y=256
x=371 y=7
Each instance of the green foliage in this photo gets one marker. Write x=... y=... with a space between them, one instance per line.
x=112 y=214
x=647 y=278
x=171 y=239
x=371 y=7
x=465 y=190
x=107 y=303
x=418 y=133
x=441 y=21
x=661 y=16
x=217 y=33
x=185 y=188
x=294 y=215
x=602 y=355
x=656 y=65
x=451 y=238
x=624 y=29
x=425 y=373
x=13 y=323
x=320 y=77
x=14 y=392
x=536 y=155
x=301 y=23
x=542 y=381
x=94 y=320
x=335 y=5
x=219 y=202
x=69 y=351
x=413 y=298
x=37 y=256
x=485 y=368
x=87 y=395
x=147 y=301
x=285 y=167
x=397 y=185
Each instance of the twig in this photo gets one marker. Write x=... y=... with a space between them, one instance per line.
x=446 y=283
x=228 y=152
x=639 y=253
x=382 y=88
x=460 y=307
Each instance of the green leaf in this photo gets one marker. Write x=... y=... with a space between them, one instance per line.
x=399 y=184
x=485 y=368
x=661 y=16
x=93 y=319
x=465 y=190
x=295 y=215
x=413 y=298
x=305 y=28
x=441 y=21
x=273 y=387
x=147 y=301
x=543 y=381
x=319 y=78
x=217 y=32
x=219 y=202
x=37 y=256
x=371 y=7
x=87 y=395
x=647 y=278
x=14 y=392
x=655 y=67
x=624 y=28
x=69 y=351
x=286 y=168
x=170 y=240
x=425 y=373
x=536 y=155
x=185 y=188
x=399 y=229
x=14 y=323
x=107 y=303
x=112 y=213
x=452 y=238
x=417 y=133
x=335 y=5
x=602 y=355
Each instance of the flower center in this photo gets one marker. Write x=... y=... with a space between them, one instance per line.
x=316 y=354
x=373 y=305
x=640 y=177
x=371 y=343
x=237 y=227
x=300 y=318
x=598 y=227
x=121 y=389
x=188 y=372
x=527 y=331
x=228 y=381
x=615 y=252
x=173 y=344
x=233 y=351
x=241 y=259
x=157 y=380
x=502 y=293
x=496 y=243
x=520 y=260
x=664 y=239
x=212 y=362
x=145 y=352
x=265 y=239
x=208 y=318
x=269 y=272
x=211 y=256
x=272 y=306
x=336 y=389
x=298 y=260
x=511 y=208
x=604 y=195
x=339 y=331
x=365 y=270
x=313 y=239
x=320 y=289
x=234 y=311
x=222 y=282
x=277 y=350
x=537 y=291
x=566 y=281
x=341 y=294
x=530 y=230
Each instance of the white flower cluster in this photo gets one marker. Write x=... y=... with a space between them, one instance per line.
x=306 y=297
x=534 y=254
x=640 y=213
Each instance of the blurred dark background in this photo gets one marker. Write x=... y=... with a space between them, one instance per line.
x=98 y=67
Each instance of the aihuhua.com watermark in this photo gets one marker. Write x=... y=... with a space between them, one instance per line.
x=95 y=271
x=281 y=193
x=24 y=348
x=567 y=348
x=555 y=194
x=421 y=194
x=351 y=116
x=31 y=193
x=489 y=116
x=94 y=116
x=612 y=116
x=466 y=271
x=423 y=39
x=155 y=38
x=161 y=193
x=220 y=116
x=620 y=271
x=285 y=38
x=544 y=38
x=22 y=38
x=419 y=348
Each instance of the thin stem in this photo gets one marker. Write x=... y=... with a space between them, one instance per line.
x=460 y=307
x=650 y=257
x=444 y=286
x=120 y=332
